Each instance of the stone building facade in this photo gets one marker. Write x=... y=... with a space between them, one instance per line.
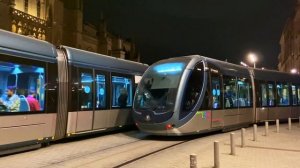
x=289 y=57
x=60 y=22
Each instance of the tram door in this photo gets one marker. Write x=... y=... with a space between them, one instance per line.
x=216 y=98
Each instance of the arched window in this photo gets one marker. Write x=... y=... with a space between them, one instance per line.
x=26 y=6
x=38 y=8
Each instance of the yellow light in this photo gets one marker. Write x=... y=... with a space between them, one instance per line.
x=252 y=57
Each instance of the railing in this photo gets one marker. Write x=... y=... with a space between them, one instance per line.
x=29 y=25
x=28 y=17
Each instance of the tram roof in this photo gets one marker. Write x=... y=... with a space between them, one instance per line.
x=229 y=68
x=259 y=74
x=23 y=46
x=272 y=75
x=104 y=62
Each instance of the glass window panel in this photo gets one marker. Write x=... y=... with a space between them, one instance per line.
x=298 y=94
x=100 y=91
x=244 y=92
x=121 y=92
x=26 y=6
x=86 y=94
x=283 y=94
x=192 y=90
x=230 y=92
x=38 y=8
x=51 y=88
x=294 y=95
x=22 y=87
x=271 y=95
x=216 y=92
x=264 y=98
x=75 y=88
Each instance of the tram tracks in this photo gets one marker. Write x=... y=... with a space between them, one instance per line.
x=87 y=153
x=148 y=154
x=118 y=150
x=119 y=156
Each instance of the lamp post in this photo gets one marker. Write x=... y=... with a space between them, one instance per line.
x=252 y=58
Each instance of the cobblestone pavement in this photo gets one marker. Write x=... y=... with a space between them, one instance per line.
x=277 y=150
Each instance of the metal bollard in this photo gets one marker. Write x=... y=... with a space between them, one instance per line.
x=277 y=126
x=193 y=161
x=243 y=132
x=290 y=123
x=254 y=132
x=232 y=144
x=216 y=155
x=266 y=128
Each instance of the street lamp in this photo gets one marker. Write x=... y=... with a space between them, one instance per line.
x=252 y=58
x=294 y=71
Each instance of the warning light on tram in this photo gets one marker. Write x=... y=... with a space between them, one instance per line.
x=169 y=126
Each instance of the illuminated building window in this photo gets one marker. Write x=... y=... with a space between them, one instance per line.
x=26 y=6
x=43 y=37
x=14 y=27
x=38 y=8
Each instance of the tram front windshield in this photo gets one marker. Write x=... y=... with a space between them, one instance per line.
x=158 y=88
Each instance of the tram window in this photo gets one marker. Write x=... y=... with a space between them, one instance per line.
x=21 y=87
x=100 y=91
x=230 y=92
x=244 y=92
x=283 y=94
x=73 y=103
x=298 y=94
x=192 y=91
x=264 y=98
x=294 y=95
x=86 y=90
x=216 y=92
x=121 y=92
x=51 y=88
x=271 y=95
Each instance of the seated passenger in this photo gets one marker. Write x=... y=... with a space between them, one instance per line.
x=122 y=100
x=271 y=102
x=33 y=102
x=11 y=100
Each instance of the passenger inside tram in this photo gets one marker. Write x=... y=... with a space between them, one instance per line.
x=229 y=96
x=32 y=101
x=121 y=92
x=11 y=101
x=16 y=80
x=122 y=100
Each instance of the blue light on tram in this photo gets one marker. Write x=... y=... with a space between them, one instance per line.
x=87 y=89
x=39 y=70
x=17 y=70
x=216 y=92
x=240 y=82
x=101 y=91
x=169 y=67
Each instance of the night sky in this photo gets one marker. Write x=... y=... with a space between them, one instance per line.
x=221 y=29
